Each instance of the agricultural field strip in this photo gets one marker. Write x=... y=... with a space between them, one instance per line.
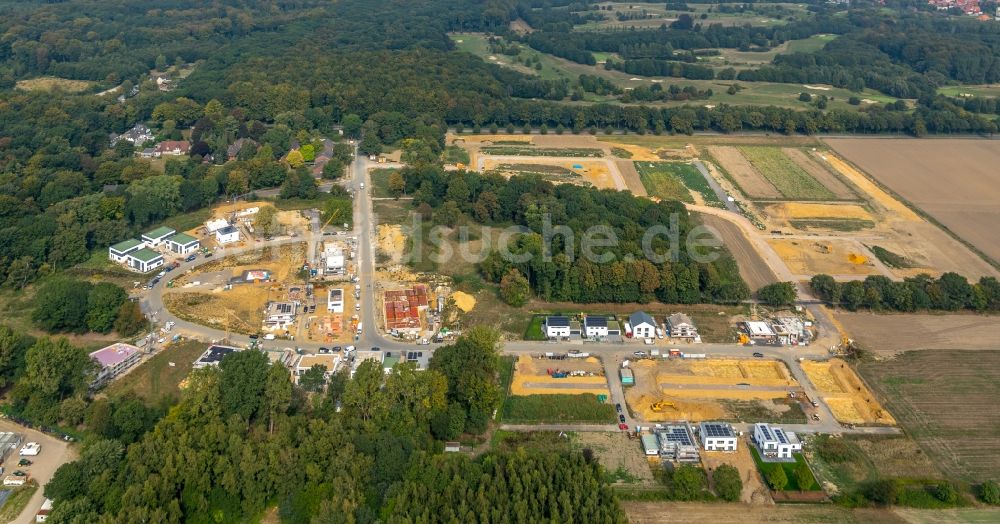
x=744 y=176
x=790 y=180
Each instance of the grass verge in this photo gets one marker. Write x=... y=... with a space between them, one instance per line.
x=380 y=182
x=755 y=410
x=17 y=501
x=534 y=331
x=582 y=152
x=159 y=377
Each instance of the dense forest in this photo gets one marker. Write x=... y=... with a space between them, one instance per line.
x=244 y=439
x=554 y=264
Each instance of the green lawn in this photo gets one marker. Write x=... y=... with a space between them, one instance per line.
x=790 y=179
x=534 y=331
x=553 y=409
x=380 y=182
x=187 y=221
x=986 y=91
x=455 y=155
x=789 y=467
x=809 y=45
x=156 y=379
x=661 y=179
x=671 y=181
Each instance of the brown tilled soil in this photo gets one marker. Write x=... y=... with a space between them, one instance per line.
x=820 y=173
x=953 y=180
x=749 y=179
x=631 y=177
x=753 y=268
x=887 y=335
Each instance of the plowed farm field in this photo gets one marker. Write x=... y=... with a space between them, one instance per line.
x=955 y=181
x=946 y=400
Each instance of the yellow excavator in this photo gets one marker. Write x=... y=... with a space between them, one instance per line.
x=660 y=407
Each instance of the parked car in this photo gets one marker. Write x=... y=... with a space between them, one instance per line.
x=209 y=254
x=621 y=418
x=623 y=427
x=618 y=407
x=815 y=404
x=815 y=416
x=758 y=355
x=24 y=463
x=191 y=258
x=639 y=354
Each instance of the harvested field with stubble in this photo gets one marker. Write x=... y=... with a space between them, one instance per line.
x=946 y=400
x=743 y=174
x=953 y=180
x=888 y=335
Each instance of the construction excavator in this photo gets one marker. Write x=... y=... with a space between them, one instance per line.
x=661 y=406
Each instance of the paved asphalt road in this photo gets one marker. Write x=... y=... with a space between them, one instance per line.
x=611 y=354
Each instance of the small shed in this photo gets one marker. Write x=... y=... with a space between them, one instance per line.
x=650 y=445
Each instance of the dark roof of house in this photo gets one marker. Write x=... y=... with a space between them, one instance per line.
x=639 y=317
x=557 y=321
x=590 y=321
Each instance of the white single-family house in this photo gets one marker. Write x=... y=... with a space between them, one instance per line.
x=774 y=441
x=182 y=243
x=718 y=436
x=595 y=326
x=227 y=235
x=144 y=260
x=120 y=251
x=157 y=236
x=643 y=325
x=556 y=327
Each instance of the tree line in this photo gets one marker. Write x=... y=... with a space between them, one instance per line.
x=949 y=292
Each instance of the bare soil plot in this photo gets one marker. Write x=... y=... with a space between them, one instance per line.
x=947 y=401
x=754 y=491
x=686 y=512
x=815 y=215
x=615 y=451
x=955 y=181
x=820 y=173
x=531 y=377
x=631 y=177
x=750 y=182
x=790 y=179
x=602 y=174
x=846 y=395
x=831 y=257
x=698 y=390
x=753 y=268
x=887 y=335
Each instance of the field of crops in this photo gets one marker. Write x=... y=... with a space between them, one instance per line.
x=661 y=180
x=946 y=400
x=582 y=152
x=552 y=409
x=791 y=180
x=668 y=180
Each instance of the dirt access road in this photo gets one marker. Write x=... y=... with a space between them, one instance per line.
x=54 y=453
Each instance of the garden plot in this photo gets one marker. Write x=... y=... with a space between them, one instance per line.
x=787 y=177
x=533 y=377
x=848 y=398
x=749 y=181
x=704 y=390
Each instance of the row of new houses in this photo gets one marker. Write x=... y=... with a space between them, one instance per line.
x=677 y=441
x=639 y=325
x=332 y=361
x=139 y=254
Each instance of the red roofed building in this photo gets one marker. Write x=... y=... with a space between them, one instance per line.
x=172 y=148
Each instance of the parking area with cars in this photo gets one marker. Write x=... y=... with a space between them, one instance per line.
x=37 y=458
